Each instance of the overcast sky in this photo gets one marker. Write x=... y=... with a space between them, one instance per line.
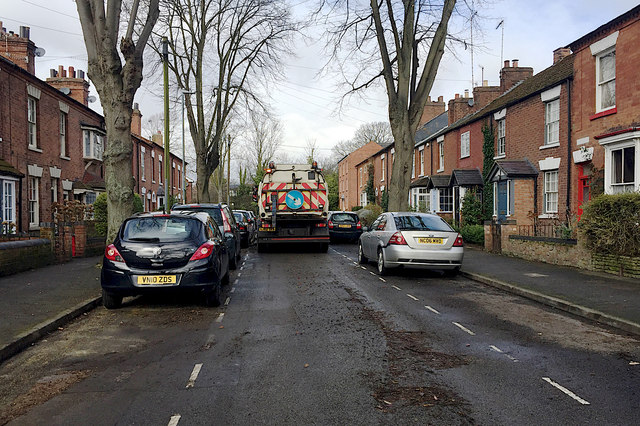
x=305 y=103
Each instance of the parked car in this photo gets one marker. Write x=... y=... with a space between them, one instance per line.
x=156 y=252
x=344 y=226
x=247 y=227
x=221 y=214
x=415 y=240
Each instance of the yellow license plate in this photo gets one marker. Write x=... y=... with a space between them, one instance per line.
x=430 y=240
x=344 y=226
x=263 y=228
x=156 y=279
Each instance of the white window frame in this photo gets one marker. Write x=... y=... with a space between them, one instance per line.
x=413 y=167
x=502 y=138
x=465 y=144
x=600 y=84
x=449 y=195
x=92 y=144
x=382 y=160
x=615 y=143
x=54 y=190
x=552 y=123
x=63 y=134
x=8 y=201
x=32 y=120
x=34 y=202
x=421 y=157
x=440 y=156
x=142 y=169
x=551 y=192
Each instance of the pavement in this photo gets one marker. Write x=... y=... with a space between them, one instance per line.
x=37 y=302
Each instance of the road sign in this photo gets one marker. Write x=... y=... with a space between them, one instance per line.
x=294 y=199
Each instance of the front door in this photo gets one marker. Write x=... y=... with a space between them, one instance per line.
x=502 y=201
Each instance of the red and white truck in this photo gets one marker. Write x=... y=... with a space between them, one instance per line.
x=293 y=206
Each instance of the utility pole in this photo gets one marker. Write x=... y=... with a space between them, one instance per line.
x=167 y=155
x=184 y=170
x=228 y=168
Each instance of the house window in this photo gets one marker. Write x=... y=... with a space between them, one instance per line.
x=422 y=162
x=8 y=201
x=32 y=106
x=34 y=201
x=423 y=200
x=153 y=166
x=382 y=168
x=623 y=164
x=446 y=199
x=142 y=152
x=160 y=171
x=54 y=190
x=552 y=122
x=173 y=174
x=360 y=182
x=551 y=192
x=606 y=80
x=63 y=134
x=502 y=133
x=90 y=197
x=465 y=148
x=413 y=167
x=440 y=156
x=93 y=145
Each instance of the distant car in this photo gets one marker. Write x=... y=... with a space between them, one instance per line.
x=414 y=240
x=156 y=252
x=344 y=226
x=221 y=214
x=247 y=227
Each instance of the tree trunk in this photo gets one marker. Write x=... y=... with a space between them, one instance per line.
x=404 y=136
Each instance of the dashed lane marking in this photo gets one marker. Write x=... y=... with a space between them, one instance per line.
x=233 y=289
x=382 y=279
x=463 y=328
x=363 y=267
x=397 y=288
x=497 y=349
x=242 y=267
x=174 y=420
x=239 y=274
x=235 y=282
x=432 y=310
x=412 y=297
x=226 y=302
x=194 y=375
x=372 y=273
x=566 y=391
x=219 y=319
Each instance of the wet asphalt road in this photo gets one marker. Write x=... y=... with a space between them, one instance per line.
x=314 y=338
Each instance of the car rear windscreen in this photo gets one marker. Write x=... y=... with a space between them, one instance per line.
x=161 y=229
x=421 y=223
x=344 y=217
x=212 y=211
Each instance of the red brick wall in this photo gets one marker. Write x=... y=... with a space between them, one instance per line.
x=348 y=175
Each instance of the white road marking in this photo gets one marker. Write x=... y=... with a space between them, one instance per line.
x=355 y=263
x=226 y=302
x=174 y=420
x=500 y=351
x=432 y=310
x=242 y=267
x=194 y=375
x=535 y=275
x=363 y=267
x=233 y=289
x=382 y=279
x=463 y=328
x=397 y=288
x=219 y=319
x=235 y=282
x=412 y=297
x=239 y=274
x=371 y=273
x=566 y=391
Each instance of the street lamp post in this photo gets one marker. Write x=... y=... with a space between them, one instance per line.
x=184 y=171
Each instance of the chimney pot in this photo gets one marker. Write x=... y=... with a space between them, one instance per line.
x=466 y=93
x=515 y=63
x=457 y=95
x=52 y=73
x=72 y=72
x=136 y=106
x=506 y=63
x=485 y=83
x=429 y=99
x=440 y=99
x=81 y=74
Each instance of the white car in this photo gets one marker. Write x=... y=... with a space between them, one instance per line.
x=415 y=240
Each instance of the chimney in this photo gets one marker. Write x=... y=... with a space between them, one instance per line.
x=466 y=93
x=510 y=76
x=72 y=86
x=561 y=53
x=459 y=107
x=157 y=138
x=483 y=95
x=136 y=120
x=18 y=48
x=432 y=109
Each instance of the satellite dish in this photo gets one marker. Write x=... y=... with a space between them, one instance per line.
x=40 y=51
x=470 y=102
x=91 y=99
x=65 y=90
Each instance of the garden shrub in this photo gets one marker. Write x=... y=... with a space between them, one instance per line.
x=356 y=208
x=610 y=224
x=471 y=210
x=473 y=234
x=101 y=216
x=369 y=213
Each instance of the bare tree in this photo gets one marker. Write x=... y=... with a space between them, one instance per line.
x=263 y=140
x=378 y=132
x=224 y=51
x=387 y=38
x=116 y=83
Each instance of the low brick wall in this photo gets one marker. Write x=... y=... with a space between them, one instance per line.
x=18 y=256
x=548 y=250
x=619 y=265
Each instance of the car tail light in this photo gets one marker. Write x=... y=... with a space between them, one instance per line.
x=203 y=251
x=397 y=239
x=458 y=242
x=330 y=225
x=242 y=227
x=321 y=225
x=359 y=225
x=226 y=226
x=112 y=254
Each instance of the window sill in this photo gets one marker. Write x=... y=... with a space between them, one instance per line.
x=153 y=181
x=65 y=158
x=465 y=156
x=604 y=113
x=439 y=170
x=33 y=227
x=35 y=149
x=553 y=145
x=500 y=157
x=548 y=216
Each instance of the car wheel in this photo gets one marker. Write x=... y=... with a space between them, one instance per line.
x=263 y=248
x=361 y=257
x=233 y=261
x=324 y=247
x=212 y=297
x=110 y=300
x=382 y=269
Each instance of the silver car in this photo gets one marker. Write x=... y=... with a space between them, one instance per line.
x=416 y=240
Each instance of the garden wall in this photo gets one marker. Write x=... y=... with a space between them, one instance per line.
x=22 y=255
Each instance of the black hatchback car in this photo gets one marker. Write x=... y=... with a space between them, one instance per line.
x=223 y=217
x=155 y=252
x=344 y=226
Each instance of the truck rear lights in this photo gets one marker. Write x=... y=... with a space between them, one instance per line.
x=397 y=239
x=458 y=242
x=112 y=254
x=203 y=251
x=321 y=225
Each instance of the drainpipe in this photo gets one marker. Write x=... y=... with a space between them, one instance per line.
x=568 y=213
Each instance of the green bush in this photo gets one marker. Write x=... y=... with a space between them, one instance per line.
x=610 y=224
x=101 y=216
x=356 y=208
x=473 y=234
x=369 y=213
x=471 y=210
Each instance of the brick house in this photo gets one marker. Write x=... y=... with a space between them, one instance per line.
x=51 y=142
x=351 y=179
